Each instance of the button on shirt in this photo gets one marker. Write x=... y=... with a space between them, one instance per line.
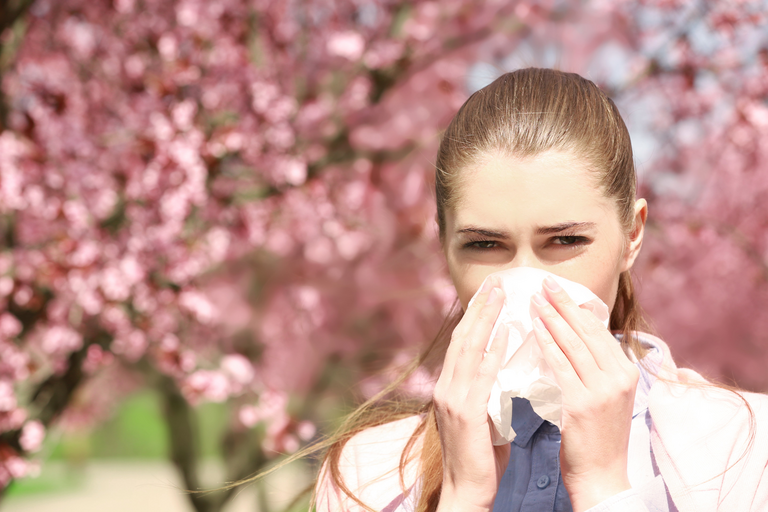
x=533 y=483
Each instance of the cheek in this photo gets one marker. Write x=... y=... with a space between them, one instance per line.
x=602 y=277
x=467 y=279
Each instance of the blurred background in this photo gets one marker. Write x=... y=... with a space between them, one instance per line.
x=216 y=218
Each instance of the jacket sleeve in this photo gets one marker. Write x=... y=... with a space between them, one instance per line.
x=369 y=467
x=627 y=501
x=710 y=444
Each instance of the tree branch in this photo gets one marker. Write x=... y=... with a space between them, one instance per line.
x=11 y=11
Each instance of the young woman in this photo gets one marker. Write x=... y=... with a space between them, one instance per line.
x=536 y=170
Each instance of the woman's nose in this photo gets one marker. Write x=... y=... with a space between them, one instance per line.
x=525 y=258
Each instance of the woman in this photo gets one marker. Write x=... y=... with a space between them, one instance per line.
x=536 y=170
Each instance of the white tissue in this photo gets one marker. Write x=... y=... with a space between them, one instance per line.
x=525 y=374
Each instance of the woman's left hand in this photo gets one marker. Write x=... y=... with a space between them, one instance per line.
x=598 y=383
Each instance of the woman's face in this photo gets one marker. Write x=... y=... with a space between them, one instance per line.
x=544 y=212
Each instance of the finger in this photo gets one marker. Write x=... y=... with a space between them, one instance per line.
x=459 y=333
x=472 y=350
x=565 y=374
x=567 y=339
x=475 y=306
x=491 y=363
x=614 y=345
x=600 y=342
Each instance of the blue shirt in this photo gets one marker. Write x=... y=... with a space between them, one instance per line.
x=533 y=483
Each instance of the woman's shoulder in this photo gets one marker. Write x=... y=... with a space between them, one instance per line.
x=681 y=397
x=385 y=436
x=709 y=442
x=376 y=451
x=369 y=466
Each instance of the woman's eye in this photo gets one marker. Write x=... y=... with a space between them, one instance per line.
x=569 y=240
x=482 y=244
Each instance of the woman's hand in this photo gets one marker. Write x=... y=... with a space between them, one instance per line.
x=472 y=466
x=598 y=383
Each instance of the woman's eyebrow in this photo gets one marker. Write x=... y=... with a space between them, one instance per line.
x=544 y=230
x=484 y=232
x=557 y=228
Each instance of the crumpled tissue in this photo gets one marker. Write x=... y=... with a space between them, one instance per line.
x=525 y=373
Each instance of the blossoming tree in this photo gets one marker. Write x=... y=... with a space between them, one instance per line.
x=221 y=199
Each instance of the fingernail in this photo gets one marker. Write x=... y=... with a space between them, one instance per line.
x=551 y=283
x=538 y=324
x=539 y=299
x=487 y=285
x=495 y=293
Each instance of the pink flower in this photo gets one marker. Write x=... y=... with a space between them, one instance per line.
x=16 y=466
x=306 y=430
x=6 y=286
x=207 y=384
x=238 y=367
x=61 y=339
x=348 y=45
x=248 y=415
x=32 y=435
x=198 y=304
x=132 y=345
x=9 y=325
x=7 y=396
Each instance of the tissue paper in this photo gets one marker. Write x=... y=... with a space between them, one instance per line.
x=525 y=374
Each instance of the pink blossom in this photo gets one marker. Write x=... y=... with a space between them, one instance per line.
x=198 y=304
x=5 y=476
x=114 y=285
x=207 y=384
x=7 y=396
x=294 y=172
x=383 y=53
x=168 y=46
x=11 y=148
x=6 y=286
x=32 y=435
x=248 y=415
x=183 y=114
x=77 y=215
x=131 y=345
x=87 y=253
x=238 y=367
x=348 y=45
x=61 y=339
x=14 y=362
x=23 y=295
x=16 y=466
x=80 y=36
x=12 y=420
x=306 y=430
x=9 y=325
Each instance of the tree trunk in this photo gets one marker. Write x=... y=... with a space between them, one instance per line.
x=242 y=455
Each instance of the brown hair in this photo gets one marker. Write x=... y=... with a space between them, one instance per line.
x=522 y=114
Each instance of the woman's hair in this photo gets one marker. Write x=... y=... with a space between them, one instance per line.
x=520 y=114
x=531 y=111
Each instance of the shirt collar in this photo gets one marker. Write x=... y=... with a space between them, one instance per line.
x=525 y=422
x=649 y=367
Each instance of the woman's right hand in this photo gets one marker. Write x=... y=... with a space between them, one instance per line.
x=472 y=466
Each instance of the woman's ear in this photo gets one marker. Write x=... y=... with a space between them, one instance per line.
x=635 y=238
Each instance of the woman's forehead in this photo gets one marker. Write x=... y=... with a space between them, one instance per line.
x=549 y=188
